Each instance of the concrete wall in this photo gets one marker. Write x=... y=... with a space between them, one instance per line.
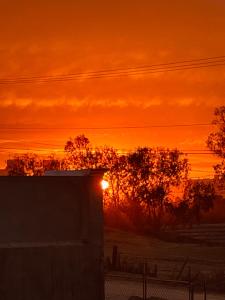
x=51 y=238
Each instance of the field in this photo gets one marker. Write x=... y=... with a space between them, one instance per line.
x=170 y=257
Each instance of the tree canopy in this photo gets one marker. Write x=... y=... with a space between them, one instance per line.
x=216 y=141
x=142 y=183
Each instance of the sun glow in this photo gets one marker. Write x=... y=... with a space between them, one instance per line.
x=104 y=184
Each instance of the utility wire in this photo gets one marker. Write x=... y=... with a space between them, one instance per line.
x=207 y=60
x=63 y=145
x=30 y=142
x=124 y=152
x=113 y=76
x=120 y=72
x=124 y=73
x=106 y=128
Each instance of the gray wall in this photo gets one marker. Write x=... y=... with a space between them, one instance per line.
x=51 y=238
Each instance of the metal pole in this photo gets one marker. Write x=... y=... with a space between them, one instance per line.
x=205 y=292
x=189 y=291
x=192 y=292
x=114 y=257
x=146 y=270
x=190 y=283
x=144 y=282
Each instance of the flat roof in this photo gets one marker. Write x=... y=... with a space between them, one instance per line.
x=86 y=172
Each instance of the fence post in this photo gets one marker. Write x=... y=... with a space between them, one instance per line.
x=155 y=271
x=146 y=268
x=144 y=281
x=192 y=292
x=191 y=296
x=114 y=257
x=190 y=283
x=205 y=292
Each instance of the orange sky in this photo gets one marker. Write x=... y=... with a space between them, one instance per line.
x=48 y=37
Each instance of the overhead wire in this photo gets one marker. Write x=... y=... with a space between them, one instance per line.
x=210 y=59
x=124 y=151
x=2 y=127
x=118 y=72
x=128 y=150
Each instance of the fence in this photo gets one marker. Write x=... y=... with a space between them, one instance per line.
x=125 y=263
x=136 y=277
x=167 y=274
x=138 y=288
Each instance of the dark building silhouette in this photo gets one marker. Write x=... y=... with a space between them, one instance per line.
x=51 y=237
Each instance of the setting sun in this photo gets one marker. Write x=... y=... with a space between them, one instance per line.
x=104 y=184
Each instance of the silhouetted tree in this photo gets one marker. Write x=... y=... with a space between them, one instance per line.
x=216 y=141
x=28 y=164
x=150 y=175
x=140 y=183
x=79 y=153
x=200 y=196
x=179 y=212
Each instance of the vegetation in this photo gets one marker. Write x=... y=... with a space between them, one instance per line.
x=202 y=262
x=31 y=164
x=216 y=141
x=149 y=188
x=142 y=184
x=198 y=198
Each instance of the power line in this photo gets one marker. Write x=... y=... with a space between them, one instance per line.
x=206 y=60
x=113 y=76
x=27 y=141
x=60 y=145
x=4 y=149
x=120 y=72
x=32 y=143
x=124 y=151
x=106 y=128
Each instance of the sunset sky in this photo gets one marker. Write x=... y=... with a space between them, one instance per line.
x=54 y=37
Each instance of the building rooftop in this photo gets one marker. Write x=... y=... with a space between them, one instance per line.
x=86 y=172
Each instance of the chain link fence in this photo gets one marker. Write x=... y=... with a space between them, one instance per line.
x=139 y=277
x=134 y=288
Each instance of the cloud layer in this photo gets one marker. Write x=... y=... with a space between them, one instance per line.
x=42 y=38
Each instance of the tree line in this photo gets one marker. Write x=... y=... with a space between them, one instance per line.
x=149 y=188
